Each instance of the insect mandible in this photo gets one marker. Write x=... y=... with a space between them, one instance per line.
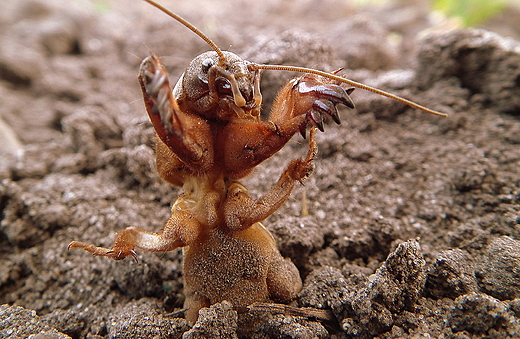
x=210 y=135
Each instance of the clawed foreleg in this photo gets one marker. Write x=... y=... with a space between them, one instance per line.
x=305 y=101
x=187 y=135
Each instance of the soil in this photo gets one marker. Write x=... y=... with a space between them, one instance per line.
x=414 y=225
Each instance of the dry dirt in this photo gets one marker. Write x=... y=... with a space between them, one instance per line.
x=414 y=222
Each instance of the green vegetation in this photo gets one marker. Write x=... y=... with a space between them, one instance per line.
x=102 y=6
x=471 y=12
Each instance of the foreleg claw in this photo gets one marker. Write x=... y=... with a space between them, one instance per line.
x=327 y=97
x=154 y=79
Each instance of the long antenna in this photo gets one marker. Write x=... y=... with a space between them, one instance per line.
x=254 y=66
x=348 y=82
x=191 y=27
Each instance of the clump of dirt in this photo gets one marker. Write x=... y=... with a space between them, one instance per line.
x=414 y=219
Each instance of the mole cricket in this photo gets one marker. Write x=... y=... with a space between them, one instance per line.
x=210 y=135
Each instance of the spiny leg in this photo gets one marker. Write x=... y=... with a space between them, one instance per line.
x=302 y=102
x=305 y=101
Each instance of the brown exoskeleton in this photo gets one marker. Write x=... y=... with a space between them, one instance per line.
x=210 y=135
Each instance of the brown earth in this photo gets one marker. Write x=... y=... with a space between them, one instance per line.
x=414 y=219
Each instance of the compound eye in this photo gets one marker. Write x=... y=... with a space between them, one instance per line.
x=206 y=65
x=224 y=87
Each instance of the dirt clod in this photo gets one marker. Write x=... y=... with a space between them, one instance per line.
x=479 y=314
x=217 y=321
x=452 y=275
x=18 y=322
x=498 y=273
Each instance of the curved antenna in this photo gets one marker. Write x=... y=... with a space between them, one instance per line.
x=192 y=28
x=348 y=82
x=254 y=66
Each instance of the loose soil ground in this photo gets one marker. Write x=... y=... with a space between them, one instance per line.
x=414 y=222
